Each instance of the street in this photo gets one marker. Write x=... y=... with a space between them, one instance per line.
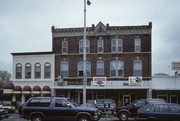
x=16 y=117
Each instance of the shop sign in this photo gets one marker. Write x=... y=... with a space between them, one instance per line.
x=99 y=81
x=175 y=65
x=135 y=80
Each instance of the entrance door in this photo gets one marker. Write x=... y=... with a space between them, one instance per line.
x=173 y=99
x=126 y=100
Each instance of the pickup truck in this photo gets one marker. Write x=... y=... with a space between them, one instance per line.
x=57 y=108
x=124 y=112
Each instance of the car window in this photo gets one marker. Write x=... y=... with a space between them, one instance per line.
x=61 y=103
x=161 y=108
x=175 y=108
x=39 y=103
x=148 y=108
x=140 y=103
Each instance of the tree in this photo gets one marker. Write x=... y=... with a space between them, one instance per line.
x=4 y=76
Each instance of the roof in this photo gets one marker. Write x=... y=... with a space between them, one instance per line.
x=32 y=53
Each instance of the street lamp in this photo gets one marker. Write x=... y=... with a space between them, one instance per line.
x=84 y=53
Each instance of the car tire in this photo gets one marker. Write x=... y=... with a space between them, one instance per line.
x=83 y=118
x=37 y=118
x=123 y=116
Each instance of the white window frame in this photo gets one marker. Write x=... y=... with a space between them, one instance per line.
x=100 y=46
x=116 y=45
x=47 y=66
x=64 y=47
x=100 y=66
x=28 y=71
x=137 y=45
x=37 y=68
x=137 y=67
x=64 y=68
x=117 y=65
x=80 y=68
x=81 y=46
x=18 y=71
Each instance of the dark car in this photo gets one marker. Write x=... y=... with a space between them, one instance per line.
x=159 y=112
x=106 y=106
x=57 y=108
x=124 y=112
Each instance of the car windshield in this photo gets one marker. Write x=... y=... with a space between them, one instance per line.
x=73 y=103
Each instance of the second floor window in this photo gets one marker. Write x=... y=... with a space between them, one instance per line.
x=137 y=45
x=64 y=47
x=37 y=71
x=64 y=69
x=137 y=68
x=81 y=46
x=116 y=45
x=18 y=71
x=100 y=67
x=47 y=70
x=100 y=46
x=28 y=71
x=80 y=68
x=116 y=68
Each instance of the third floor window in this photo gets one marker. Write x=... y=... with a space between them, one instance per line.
x=64 y=47
x=116 y=45
x=81 y=46
x=100 y=46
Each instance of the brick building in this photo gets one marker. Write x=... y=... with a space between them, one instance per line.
x=114 y=52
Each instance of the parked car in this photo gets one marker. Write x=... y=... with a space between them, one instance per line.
x=106 y=106
x=9 y=107
x=3 y=113
x=159 y=112
x=57 y=108
x=124 y=112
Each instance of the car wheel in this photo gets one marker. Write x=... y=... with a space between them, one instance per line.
x=37 y=118
x=83 y=118
x=123 y=116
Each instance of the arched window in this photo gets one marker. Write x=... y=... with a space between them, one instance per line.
x=80 y=68
x=116 y=45
x=100 y=46
x=64 y=47
x=28 y=71
x=81 y=46
x=18 y=71
x=116 y=68
x=100 y=67
x=137 y=45
x=64 y=69
x=37 y=71
x=137 y=67
x=47 y=70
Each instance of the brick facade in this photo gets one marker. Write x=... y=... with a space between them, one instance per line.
x=107 y=33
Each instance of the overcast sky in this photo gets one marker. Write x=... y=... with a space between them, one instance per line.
x=25 y=25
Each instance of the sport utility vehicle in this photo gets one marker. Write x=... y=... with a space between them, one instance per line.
x=131 y=110
x=56 y=108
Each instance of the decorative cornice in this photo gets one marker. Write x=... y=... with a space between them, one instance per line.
x=101 y=29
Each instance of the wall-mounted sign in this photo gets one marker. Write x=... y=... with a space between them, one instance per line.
x=175 y=65
x=99 y=80
x=135 y=80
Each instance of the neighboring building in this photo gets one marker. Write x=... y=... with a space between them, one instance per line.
x=114 y=52
x=166 y=87
x=33 y=75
